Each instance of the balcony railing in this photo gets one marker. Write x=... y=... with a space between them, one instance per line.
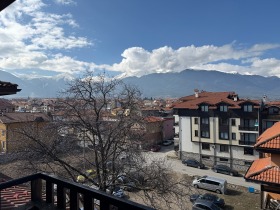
x=242 y=142
x=42 y=191
x=246 y=128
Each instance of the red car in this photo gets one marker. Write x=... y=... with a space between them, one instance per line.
x=155 y=148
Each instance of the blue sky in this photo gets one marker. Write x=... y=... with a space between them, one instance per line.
x=138 y=37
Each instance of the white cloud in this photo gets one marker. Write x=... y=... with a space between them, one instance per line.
x=138 y=61
x=65 y=2
x=29 y=36
x=32 y=38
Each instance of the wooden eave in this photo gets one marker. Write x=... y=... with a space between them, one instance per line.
x=5 y=3
x=7 y=88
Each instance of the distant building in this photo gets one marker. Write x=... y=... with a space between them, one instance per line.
x=6 y=106
x=10 y=122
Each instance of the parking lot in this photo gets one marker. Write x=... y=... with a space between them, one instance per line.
x=237 y=196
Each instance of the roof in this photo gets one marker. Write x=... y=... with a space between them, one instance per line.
x=261 y=170
x=270 y=138
x=5 y=103
x=17 y=117
x=153 y=119
x=213 y=99
x=7 y=88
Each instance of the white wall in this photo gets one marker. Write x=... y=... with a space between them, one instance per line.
x=185 y=134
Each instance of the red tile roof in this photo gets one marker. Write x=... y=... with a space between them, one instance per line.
x=154 y=119
x=213 y=99
x=270 y=138
x=261 y=170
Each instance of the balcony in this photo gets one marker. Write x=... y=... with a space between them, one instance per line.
x=242 y=142
x=69 y=194
x=246 y=128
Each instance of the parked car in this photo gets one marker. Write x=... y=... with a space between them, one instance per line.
x=118 y=192
x=209 y=197
x=193 y=163
x=155 y=148
x=167 y=142
x=211 y=183
x=224 y=170
x=204 y=204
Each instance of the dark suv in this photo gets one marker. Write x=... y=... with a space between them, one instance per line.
x=224 y=170
x=193 y=163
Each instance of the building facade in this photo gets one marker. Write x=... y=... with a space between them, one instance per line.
x=10 y=139
x=217 y=128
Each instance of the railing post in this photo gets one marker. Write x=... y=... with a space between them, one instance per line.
x=74 y=199
x=49 y=192
x=61 y=197
x=36 y=190
x=88 y=202
x=104 y=205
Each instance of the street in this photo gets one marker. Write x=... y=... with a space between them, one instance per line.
x=177 y=166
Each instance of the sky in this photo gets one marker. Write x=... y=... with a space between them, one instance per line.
x=44 y=38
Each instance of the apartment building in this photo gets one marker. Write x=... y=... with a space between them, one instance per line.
x=217 y=128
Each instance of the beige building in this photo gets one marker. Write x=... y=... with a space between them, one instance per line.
x=10 y=139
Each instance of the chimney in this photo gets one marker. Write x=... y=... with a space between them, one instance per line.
x=235 y=97
x=264 y=98
x=196 y=91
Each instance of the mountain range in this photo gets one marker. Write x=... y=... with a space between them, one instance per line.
x=162 y=85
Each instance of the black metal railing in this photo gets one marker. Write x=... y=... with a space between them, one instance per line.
x=242 y=142
x=44 y=184
x=247 y=128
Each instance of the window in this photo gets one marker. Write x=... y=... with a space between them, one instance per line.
x=205 y=146
x=3 y=132
x=233 y=122
x=212 y=182
x=205 y=134
x=248 y=138
x=205 y=121
x=247 y=163
x=196 y=133
x=233 y=136
x=273 y=110
x=223 y=108
x=3 y=145
x=248 y=108
x=223 y=159
x=248 y=151
x=224 y=148
x=249 y=123
x=196 y=120
x=223 y=121
x=223 y=135
x=204 y=108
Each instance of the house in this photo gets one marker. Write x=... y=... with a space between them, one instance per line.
x=265 y=170
x=6 y=106
x=10 y=140
x=217 y=128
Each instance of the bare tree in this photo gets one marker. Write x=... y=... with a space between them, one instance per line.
x=97 y=132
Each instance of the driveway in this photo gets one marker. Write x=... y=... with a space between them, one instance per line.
x=177 y=166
